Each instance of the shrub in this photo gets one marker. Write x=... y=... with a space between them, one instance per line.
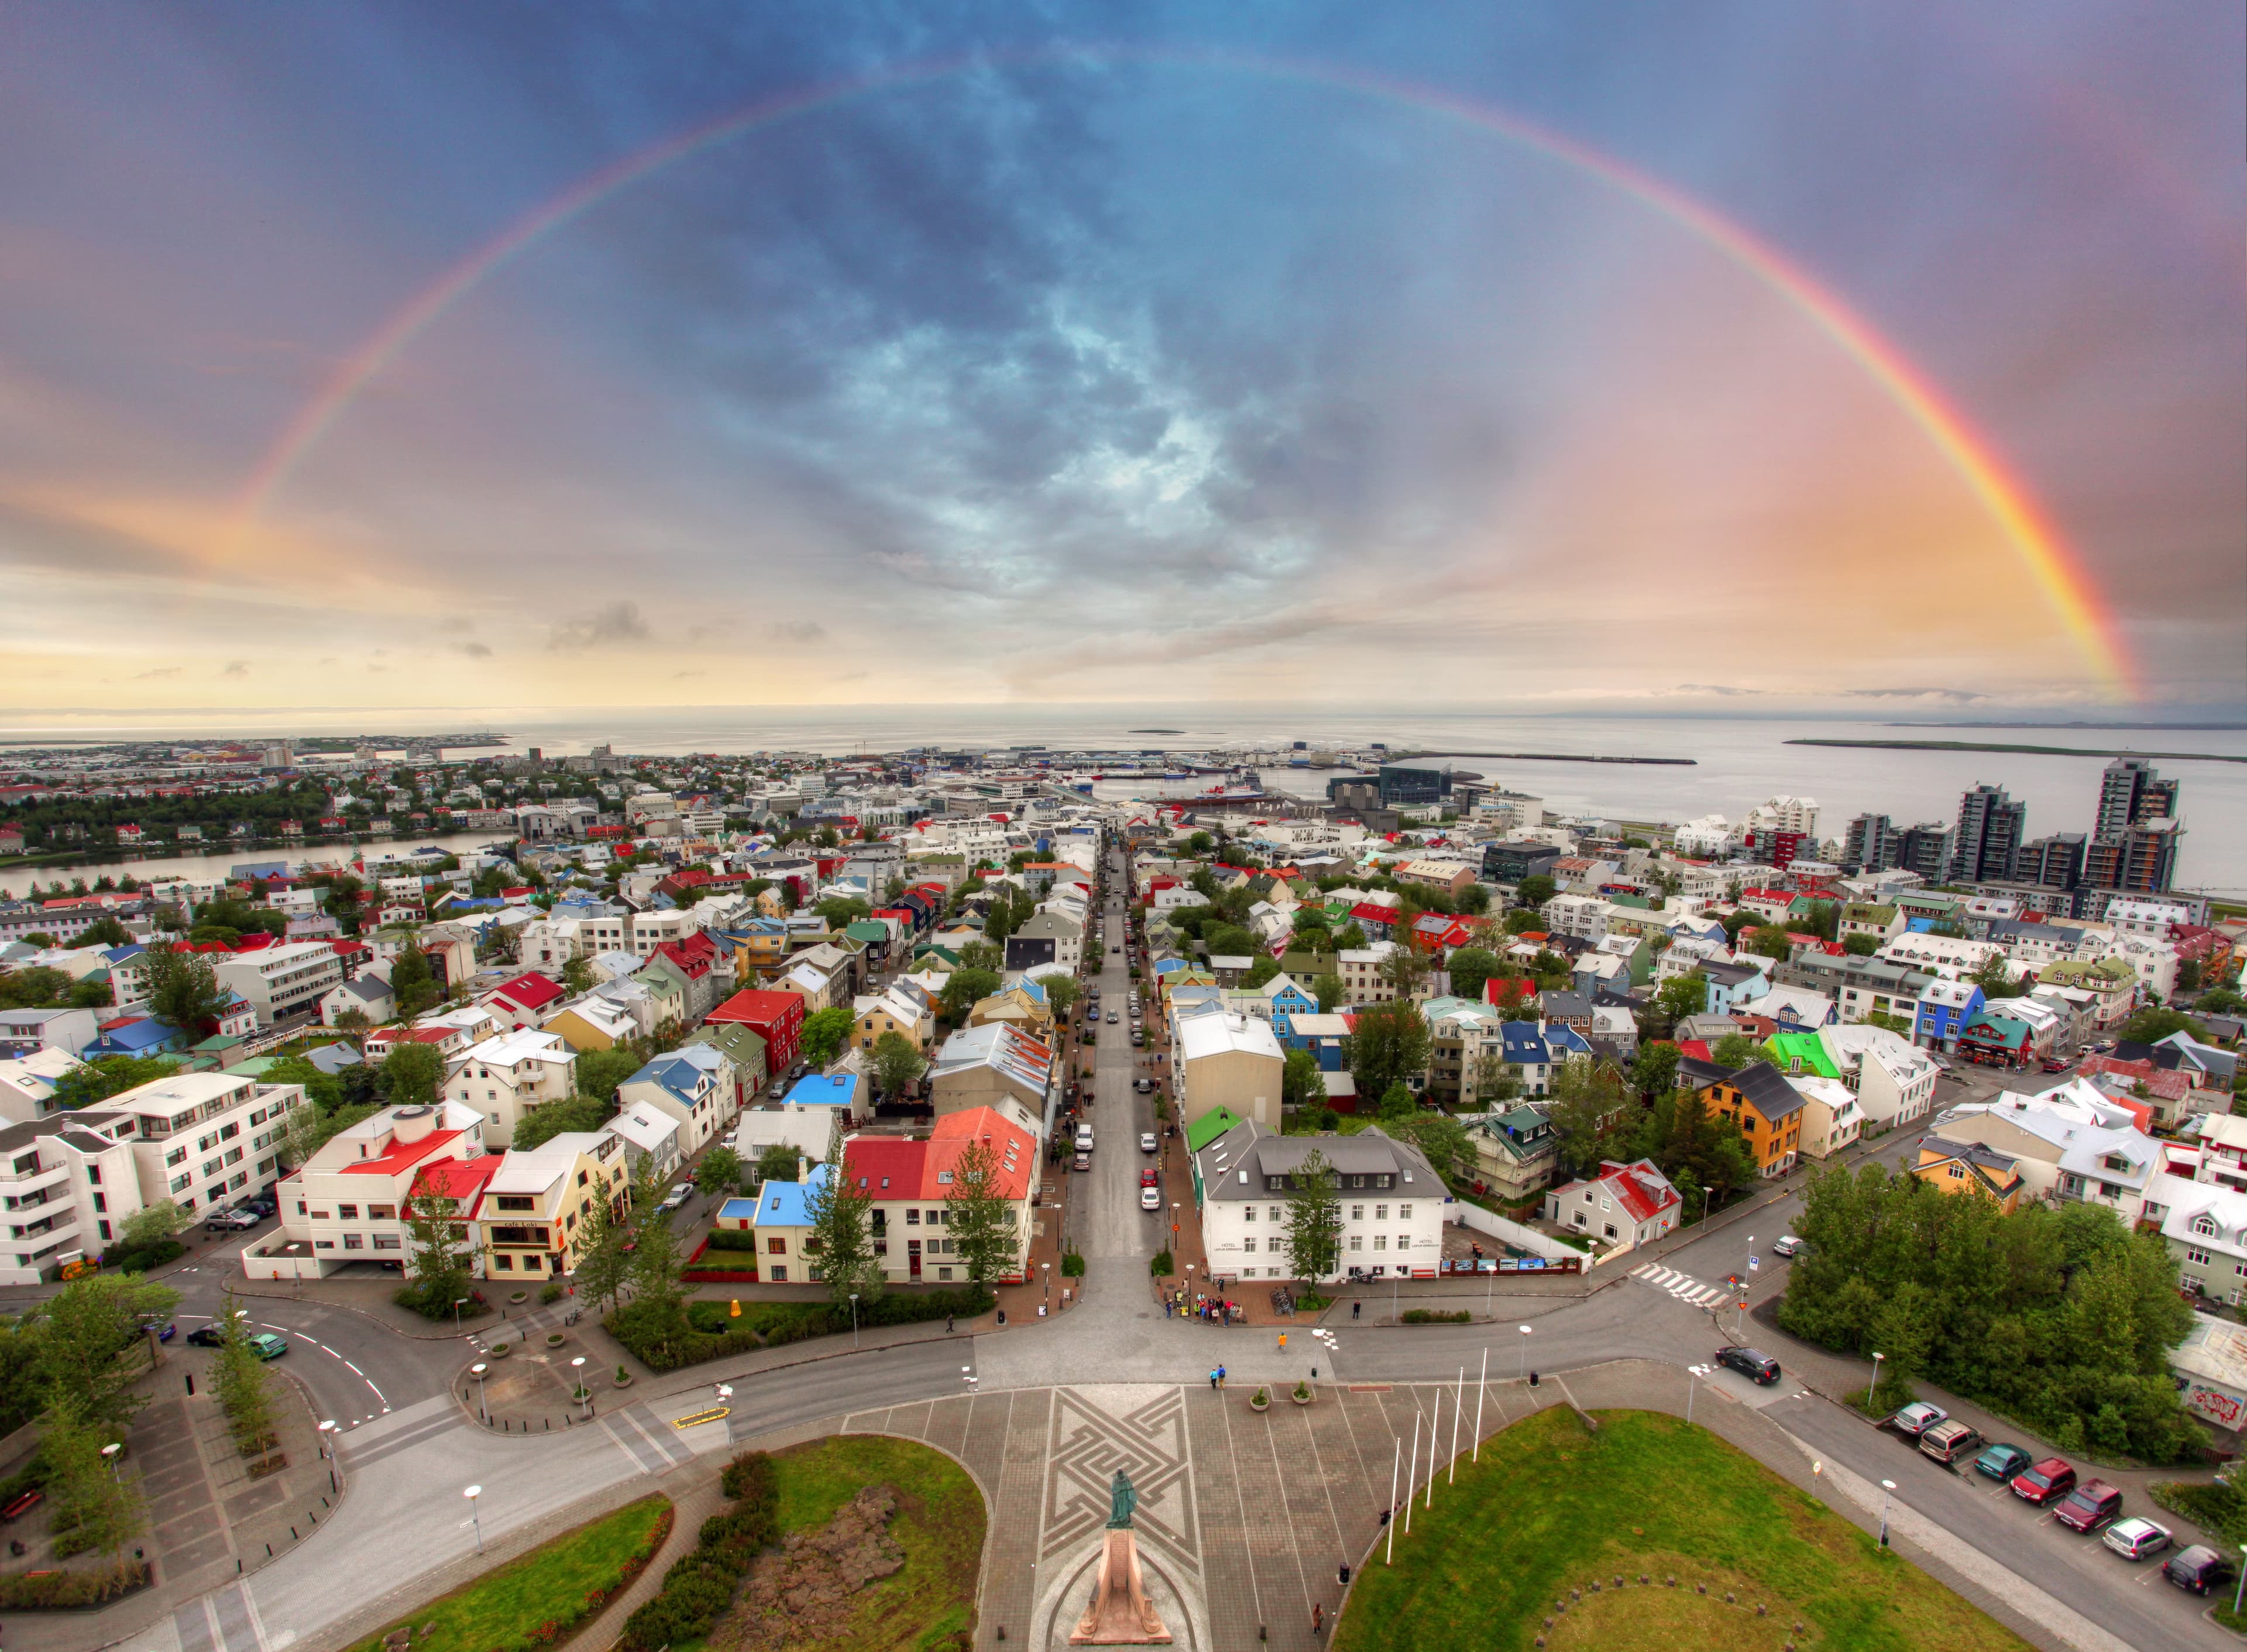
x=1434 y=1316
x=663 y=1340
x=1072 y=1265
x=699 y=1587
x=438 y=1304
x=731 y=1239
x=552 y=1294
x=1160 y=1267
x=140 y=1258
x=55 y=1591
x=2217 y=1510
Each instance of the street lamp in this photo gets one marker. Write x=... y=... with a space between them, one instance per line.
x=459 y=1303
x=1887 y=1486
x=1877 y=1358
x=854 y=1319
x=584 y=1395
x=1522 y=1369
x=475 y=1519
x=109 y=1454
x=1047 y=1268
x=2241 y=1592
x=327 y=1439
x=480 y=1370
x=1694 y=1374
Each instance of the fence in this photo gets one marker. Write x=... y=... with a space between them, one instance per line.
x=1510 y=1232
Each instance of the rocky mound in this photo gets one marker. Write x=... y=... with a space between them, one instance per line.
x=805 y=1593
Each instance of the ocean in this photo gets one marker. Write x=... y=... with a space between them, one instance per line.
x=1738 y=762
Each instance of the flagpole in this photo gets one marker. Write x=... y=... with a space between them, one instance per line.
x=1396 y=1462
x=1459 y=1403
x=1482 y=1388
x=1412 y=1474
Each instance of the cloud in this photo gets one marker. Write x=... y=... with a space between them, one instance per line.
x=473 y=650
x=689 y=673
x=1717 y=688
x=795 y=631
x=619 y=622
x=454 y=627
x=236 y=668
x=1952 y=696
x=160 y=670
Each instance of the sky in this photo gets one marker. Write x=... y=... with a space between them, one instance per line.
x=1546 y=355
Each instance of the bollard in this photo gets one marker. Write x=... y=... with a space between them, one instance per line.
x=292 y=1534
x=269 y=1551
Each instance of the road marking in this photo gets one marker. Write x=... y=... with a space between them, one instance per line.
x=1683 y=1286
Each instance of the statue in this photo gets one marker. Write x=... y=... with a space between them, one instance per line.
x=1122 y=1499
x=1119 y=1613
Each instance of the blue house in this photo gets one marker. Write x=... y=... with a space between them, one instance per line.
x=135 y=1035
x=1945 y=1006
x=1537 y=1050
x=1730 y=983
x=1288 y=1002
x=825 y=1089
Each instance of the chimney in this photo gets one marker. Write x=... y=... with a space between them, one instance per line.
x=803 y=1172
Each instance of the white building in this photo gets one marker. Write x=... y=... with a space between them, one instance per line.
x=205 y=1138
x=1391 y=1204
x=350 y=1201
x=280 y=981
x=1893 y=1078
x=1831 y=1118
x=27 y=1083
x=504 y=1078
x=67 y=1183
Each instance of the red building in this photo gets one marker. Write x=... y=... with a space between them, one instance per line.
x=777 y=1018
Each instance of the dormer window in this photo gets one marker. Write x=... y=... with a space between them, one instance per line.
x=2204 y=1226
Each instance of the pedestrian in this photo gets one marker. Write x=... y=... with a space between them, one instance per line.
x=1353 y=1310
x=947 y=1325
x=1166 y=1307
x=1221 y=1377
x=1342 y=1574
x=1318 y=1618
x=1212 y=1379
x=1283 y=1341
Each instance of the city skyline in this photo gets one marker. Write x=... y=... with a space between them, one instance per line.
x=1766 y=359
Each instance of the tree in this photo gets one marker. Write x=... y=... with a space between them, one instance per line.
x=107 y=1077
x=778 y=1162
x=2221 y=1001
x=1443 y=1140
x=1772 y=941
x=1404 y=971
x=1475 y=898
x=824 y=1034
x=412 y=982
x=151 y=1224
x=1330 y=991
x=1061 y=993
x=1199 y=844
x=1470 y=967
x=2151 y=1025
x=437 y=1262
x=104 y=931
x=1390 y=1044
x=979 y=1217
x=410 y=1073
x=183 y=992
x=1534 y=891
x=722 y=1167
x=1588 y=1100
x=597 y=1073
x=837 y=910
x=1397 y=1103
x=82 y=1330
x=1313 y=1219
x=245 y=1393
x=963 y=990
x=602 y=1262
x=1350 y=937
x=1655 y=1071
x=1261 y=970
x=2188 y=975
x=1300 y=1084
x=897 y=1063
x=656 y=1263
x=983 y=955
x=91 y=1500
x=576 y=976
x=1861 y=946
x=841 y=1234
x=1494 y=1079
x=1994 y=978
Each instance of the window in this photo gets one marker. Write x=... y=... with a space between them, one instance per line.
x=1248 y=1213
x=1357 y=1241
x=389 y=1242
x=1381 y=1241
x=913 y=1219
x=1249 y=1244
x=1357 y=1212
x=347 y=1213
x=354 y=1241
x=177 y=1157
x=1404 y=1213
x=2200 y=1257
x=180 y=1181
x=1381 y=1212
x=776 y=1247
x=2204 y=1226
x=780 y=1271
x=531 y=1264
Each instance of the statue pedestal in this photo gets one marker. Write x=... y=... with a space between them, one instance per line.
x=1120 y=1613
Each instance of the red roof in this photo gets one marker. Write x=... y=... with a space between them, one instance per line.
x=530 y=989
x=402 y=1154
x=460 y=1179
x=1640 y=1187
x=1368 y=912
x=1696 y=1048
x=757 y=1007
x=920 y=1170
x=1506 y=992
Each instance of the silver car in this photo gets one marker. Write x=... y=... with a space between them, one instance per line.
x=2134 y=1539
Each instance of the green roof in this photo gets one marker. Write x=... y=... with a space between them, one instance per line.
x=1807 y=1047
x=867 y=929
x=218 y=1044
x=1209 y=1126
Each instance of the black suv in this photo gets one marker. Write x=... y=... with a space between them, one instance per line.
x=1750 y=1363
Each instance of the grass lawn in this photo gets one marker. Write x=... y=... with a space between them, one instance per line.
x=501 y=1610
x=930 y=1604
x=1550 y=1508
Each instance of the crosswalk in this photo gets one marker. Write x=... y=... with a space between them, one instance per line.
x=1683 y=1286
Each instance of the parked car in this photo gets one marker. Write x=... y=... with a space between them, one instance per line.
x=2198 y=1569
x=1142 y=1086
x=1147 y=1143
x=678 y=1196
x=2135 y=1539
x=2002 y=1462
x=1083 y=1161
x=1950 y=1440
x=1115 y=949
x=228 y=1221
x=1151 y=1198
x=164 y=1328
x=2090 y=1506
x=1750 y=1363
x=2046 y=1482
x=262 y=1205
x=1788 y=1245
x=1147 y=1176
x=206 y=1336
x=267 y=1346
x=1084 y=1138
x=1111 y=1018
x=2052 y=1065
x=1917 y=1418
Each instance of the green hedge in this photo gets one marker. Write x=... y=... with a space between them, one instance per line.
x=2217 y=1510
x=732 y=1239
x=663 y=1340
x=1434 y=1316
x=698 y=1588
x=140 y=1258
x=54 y=1591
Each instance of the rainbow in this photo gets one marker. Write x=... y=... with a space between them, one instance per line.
x=2058 y=572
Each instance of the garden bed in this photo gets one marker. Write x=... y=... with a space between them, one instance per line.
x=709 y=1330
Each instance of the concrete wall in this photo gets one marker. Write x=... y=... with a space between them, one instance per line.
x=1461 y=1214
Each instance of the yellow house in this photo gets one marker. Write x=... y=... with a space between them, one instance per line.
x=896 y=1010
x=537 y=1210
x=1017 y=1008
x=1968 y=1167
x=592 y=1023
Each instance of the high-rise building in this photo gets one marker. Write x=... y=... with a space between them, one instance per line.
x=2142 y=860
x=2130 y=794
x=1925 y=848
x=1796 y=815
x=2055 y=862
x=1400 y=784
x=1872 y=845
x=1991 y=828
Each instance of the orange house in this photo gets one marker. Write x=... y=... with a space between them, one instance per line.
x=1767 y=1108
x=1968 y=1167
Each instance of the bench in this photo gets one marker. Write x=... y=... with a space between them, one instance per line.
x=19 y=1504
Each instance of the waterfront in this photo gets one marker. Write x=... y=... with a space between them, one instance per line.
x=1738 y=761
x=205 y=868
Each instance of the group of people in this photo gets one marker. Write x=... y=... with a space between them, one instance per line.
x=1214 y=1309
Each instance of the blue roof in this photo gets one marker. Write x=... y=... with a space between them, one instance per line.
x=820 y=1090
x=680 y=1069
x=789 y=1203
x=739 y=1209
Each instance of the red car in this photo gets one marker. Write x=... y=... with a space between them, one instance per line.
x=2051 y=1478
x=2091 y=1505
x=1147 y=1177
